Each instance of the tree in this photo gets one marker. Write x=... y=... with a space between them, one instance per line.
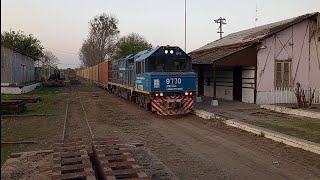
x=131 y=44
x=24 y=43
x=49 y=59
x=100 y=43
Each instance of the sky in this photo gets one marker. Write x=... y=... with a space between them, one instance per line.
x=62 y=25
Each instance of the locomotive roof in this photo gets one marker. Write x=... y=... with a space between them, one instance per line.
x=146 y=53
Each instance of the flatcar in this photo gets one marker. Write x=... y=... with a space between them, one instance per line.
x=160 y=80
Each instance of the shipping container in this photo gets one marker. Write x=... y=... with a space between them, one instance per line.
x=105 y=72
x=95 y=73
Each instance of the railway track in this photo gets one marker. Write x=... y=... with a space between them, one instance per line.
x=110 y=159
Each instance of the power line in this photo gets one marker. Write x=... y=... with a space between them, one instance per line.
x=70 y=63
x=62 y=51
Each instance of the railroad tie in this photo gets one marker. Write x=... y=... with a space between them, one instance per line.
x=71 y=161
x=115 y=160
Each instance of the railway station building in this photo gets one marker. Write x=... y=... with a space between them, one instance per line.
x=262 y=65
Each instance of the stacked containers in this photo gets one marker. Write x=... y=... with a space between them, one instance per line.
x=95 y=73
x=105 y=72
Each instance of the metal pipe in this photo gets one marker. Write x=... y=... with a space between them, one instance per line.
x=185 y=25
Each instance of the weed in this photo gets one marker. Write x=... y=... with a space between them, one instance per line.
x=261 y=134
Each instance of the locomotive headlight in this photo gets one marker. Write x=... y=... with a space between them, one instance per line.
x=186 y=93
x=171 y=51
x=161 y=94
x=190 y=93
x=157 y=94
x=166 y=51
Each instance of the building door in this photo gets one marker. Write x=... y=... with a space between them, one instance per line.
x=200 y=82
x=237 y=83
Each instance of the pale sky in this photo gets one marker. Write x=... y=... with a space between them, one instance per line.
x=62 y=25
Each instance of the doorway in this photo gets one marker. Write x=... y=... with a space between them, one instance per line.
x=201 y=82
x=237 y=83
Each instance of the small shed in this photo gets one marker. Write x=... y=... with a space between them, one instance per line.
x=262 y=65
x=17 y=68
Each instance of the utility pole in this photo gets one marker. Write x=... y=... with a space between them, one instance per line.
x=185 y=26
x=256 y=19
x=220 y=21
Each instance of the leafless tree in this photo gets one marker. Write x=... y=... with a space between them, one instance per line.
x=49 y=59
x=48 y=62
x=304 y=97
x=100 y=43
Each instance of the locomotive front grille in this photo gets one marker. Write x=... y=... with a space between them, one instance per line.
x=174 y=105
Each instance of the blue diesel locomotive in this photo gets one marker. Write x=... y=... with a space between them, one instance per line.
x=160 y=80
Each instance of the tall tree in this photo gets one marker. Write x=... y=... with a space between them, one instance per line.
x=100 y=43
x=131 y=44
x=24 y=43
x=49 y=59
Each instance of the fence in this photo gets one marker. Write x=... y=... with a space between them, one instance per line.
x=285 y=95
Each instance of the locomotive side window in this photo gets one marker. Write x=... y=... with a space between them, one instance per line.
x=142 y=67
x=138 y=68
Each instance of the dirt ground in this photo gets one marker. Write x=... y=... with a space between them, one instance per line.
x=187 y=146
x=31 y=165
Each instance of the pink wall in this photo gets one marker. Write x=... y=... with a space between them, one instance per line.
x=291 y=43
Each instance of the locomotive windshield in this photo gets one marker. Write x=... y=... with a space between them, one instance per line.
x=174 y=64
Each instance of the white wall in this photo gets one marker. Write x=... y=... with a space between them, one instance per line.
x=248 y=84
x=299 y=46
x=224 y=77
x=224 y=88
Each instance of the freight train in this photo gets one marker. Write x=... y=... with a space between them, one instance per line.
x=160 y=80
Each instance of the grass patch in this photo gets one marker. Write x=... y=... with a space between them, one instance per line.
x=5 y=153
x=48 y=99
x=311 y=126
x=291 y=131
x=40 y=129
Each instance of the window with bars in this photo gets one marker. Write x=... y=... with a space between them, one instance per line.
x=283 y=74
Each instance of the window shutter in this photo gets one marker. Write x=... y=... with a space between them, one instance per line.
x=286 y=74
x=278 y=77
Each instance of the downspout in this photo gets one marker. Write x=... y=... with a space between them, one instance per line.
x=214 y=83
x=255 y=77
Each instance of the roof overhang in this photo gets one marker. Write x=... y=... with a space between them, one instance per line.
x=227 y=56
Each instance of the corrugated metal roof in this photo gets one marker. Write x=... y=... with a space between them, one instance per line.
x=208 y=57
x=235 y=41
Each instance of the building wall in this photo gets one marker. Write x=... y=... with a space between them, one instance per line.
x=297 y=43
x=224 y=77
x=15 y=67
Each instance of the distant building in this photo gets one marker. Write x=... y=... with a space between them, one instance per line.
x=262 y=65
x=17 y=68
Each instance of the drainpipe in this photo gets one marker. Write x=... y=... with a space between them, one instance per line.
x=214 y=83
